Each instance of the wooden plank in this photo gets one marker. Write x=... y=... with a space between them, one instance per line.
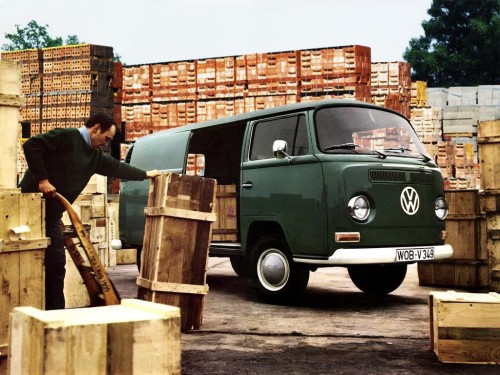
x=477 y=351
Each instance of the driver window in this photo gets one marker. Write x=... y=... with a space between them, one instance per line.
x=292 y=129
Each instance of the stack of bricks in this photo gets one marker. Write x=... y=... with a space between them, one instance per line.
x=63 y=86
x=31 y=81
x=342 y=72
x=164 y=95
x=458 y=166
x=391 y=85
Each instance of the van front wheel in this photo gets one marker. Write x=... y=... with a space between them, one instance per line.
x=273 y=273
x=377 y=278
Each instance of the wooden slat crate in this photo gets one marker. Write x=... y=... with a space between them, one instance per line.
x=488 y=139
x=22 y=254
x=465 y=327
x=226 y=226
x=467 y=233
x=135 y=337
x=179 y=218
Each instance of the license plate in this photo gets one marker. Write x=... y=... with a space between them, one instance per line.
x=412 y=255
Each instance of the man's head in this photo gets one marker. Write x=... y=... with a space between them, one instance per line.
x=101 y=129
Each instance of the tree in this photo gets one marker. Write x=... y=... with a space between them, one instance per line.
x=460 y=45
x=35 y=36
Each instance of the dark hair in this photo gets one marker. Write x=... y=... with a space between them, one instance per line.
x=100 y=118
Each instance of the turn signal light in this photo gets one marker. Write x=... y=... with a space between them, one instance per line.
x=347 y=237
x=444 y=234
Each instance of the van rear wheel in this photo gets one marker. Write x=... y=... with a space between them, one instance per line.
x=273 y=273
x=377 y=278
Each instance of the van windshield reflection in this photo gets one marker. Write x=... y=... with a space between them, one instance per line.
x=366 y=130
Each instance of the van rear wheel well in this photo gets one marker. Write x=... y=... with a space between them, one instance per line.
x=260 y=229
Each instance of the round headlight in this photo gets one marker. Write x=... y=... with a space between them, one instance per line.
x=441 y=208
x=359 y=208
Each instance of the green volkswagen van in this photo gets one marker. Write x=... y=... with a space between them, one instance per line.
x=319 y=184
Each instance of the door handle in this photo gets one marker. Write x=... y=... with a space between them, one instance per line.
x=247 y=185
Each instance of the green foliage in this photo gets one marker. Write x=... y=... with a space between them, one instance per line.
x=35 y=36
x=460 y=45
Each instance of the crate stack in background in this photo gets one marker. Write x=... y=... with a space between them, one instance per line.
x=63 y=86
x=390 y=84
x=31 y=84
x=164 y=95
x=461 y=110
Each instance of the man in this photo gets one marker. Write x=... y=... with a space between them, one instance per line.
x=63 y=161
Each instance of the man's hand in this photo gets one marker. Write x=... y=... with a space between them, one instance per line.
x=47 y=189
x=152 y=174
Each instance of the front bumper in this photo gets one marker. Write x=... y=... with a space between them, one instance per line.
x=382 y=255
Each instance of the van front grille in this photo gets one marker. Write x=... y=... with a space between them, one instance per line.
x=401 y=176
x=387 y=176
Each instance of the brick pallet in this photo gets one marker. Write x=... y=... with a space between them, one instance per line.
x=64 y=85
x=159 y=96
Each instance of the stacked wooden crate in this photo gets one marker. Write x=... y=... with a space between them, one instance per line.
x=391 y=85
x=489 y=156
x=164 y=95
x=101 y=224
x=467 y=233
x=65 y=85
x=22 y=217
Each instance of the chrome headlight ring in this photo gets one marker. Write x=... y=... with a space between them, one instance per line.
x=441 y=208
x=359 y=208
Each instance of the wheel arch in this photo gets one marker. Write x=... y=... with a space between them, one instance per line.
x=258 y=229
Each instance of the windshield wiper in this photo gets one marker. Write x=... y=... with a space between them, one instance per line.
x=404 y=149
x=352 y=146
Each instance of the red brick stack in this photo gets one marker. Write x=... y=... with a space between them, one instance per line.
x=63 y=86
x=163 y=95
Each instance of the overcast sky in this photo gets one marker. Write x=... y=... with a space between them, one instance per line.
x=149 y=31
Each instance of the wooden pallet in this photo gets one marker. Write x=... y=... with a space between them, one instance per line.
x=179 y=218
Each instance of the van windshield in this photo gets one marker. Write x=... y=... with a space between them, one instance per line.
x=366 y=130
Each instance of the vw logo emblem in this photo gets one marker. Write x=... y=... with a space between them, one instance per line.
x=409 y=200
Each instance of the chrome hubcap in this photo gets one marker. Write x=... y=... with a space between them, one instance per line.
x=273 y=269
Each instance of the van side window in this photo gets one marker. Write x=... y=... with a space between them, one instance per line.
x=293 y=130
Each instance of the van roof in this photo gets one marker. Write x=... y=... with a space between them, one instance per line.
x=267 y=112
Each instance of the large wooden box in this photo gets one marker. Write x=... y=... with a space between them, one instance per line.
x=179 y=217
x=467 y=233
x=225 y=229
x=488 y=139
x=465 y=327
x=22 y=254
x=136 y=337
x=10 y=102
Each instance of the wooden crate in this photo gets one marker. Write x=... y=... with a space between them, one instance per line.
x=179 y=218
x=10 y=102
x=226 y=227
x=22 y=254
x=135 y=337
x=488 y=139
x=467 y=233
x=465 y=327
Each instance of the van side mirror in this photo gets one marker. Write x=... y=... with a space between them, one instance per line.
x=279 y=150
